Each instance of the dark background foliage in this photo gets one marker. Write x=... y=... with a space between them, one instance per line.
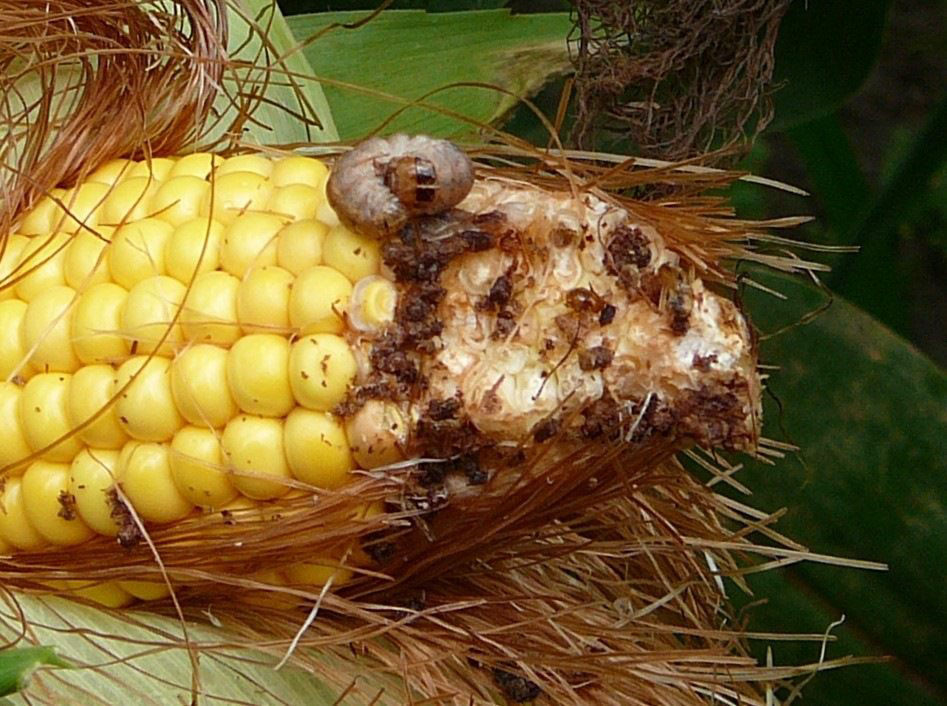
x=860 y=120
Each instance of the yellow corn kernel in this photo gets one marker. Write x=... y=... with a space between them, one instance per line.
x=325 y=212
x=317 y=449
x=80 y=207
x=373 y=303
x=321 y=368
x=318 y=300
x=199 y=164
x=108 y=594
x=193 y=248
x=47 y=330
x=12 y=343
x=146 y=590
x=85 y=263
x=92 y=476
x=255 y=163
x=39 y=221
x=10 y=251
x=254 y=452
x=199 y=386
x=128 y=201
x=354 y=255
x=13 y=446
x=137 y=251
x=314 y=574
x=148 y=315
x=249 y=242
x=44 y=416
x=263 y=300
x=90 y=393
x=210 y=311
x=376 y=434
x=42 y=265
x=112 y=171
x=299 y=170
x=144 y=472
x=156 y=168
x=299 y=245
x=15 y=527
x=179 y=199
x=146 y=407
x=97 y=325
x=49 y=506
x=295 y=202
x=236 y=193
x=198 y=469
x=258 y=375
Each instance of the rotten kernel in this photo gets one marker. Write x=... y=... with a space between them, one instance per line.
x=595 y=358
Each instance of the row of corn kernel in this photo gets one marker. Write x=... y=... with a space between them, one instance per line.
x=179 y=190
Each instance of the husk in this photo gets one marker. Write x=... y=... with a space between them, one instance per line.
x=601 y=579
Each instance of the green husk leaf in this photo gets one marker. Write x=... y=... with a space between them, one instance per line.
x=373 y=71
x=18 y=664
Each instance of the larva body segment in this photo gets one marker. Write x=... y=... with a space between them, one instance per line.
x=383 y=182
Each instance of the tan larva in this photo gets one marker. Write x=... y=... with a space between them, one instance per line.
x=383 y=182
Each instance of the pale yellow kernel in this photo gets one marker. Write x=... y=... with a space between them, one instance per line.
x=377 y=433
x=144 y=472
x=299 y=170
x=199 y=385
x=263 y=300
x=325 y=212
x=137 y=251
x=146 y=407
x=253 y=450
x=39 y=220
x=42 y=265
x=197 y=466
x=317 y=575
x=15 y=527
x=210 y=310
x=85 y=263
x=90 y=397
x=354 y=255
x=97 y=325
x=193 y=248
x=258 y=375
x=146 y=590
x=198 y=164
x=245 y=163
x=157 y=168
x=80 y=208
x=49 y=507
x=299 y=245
x=13 y=348
x=295 y=202
x=11 y=248
x=179 y=199
x=112 y=171
x=317 y=448
x=91 y=482
x=128 y=201
x=148 y=316
x=47 y=332
x=250 y=242
x=107 y=594
x=234 y=194
x=44 y=416
x=373 y=303
x=318 y=300
x=13 y=446
x=321 y=369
